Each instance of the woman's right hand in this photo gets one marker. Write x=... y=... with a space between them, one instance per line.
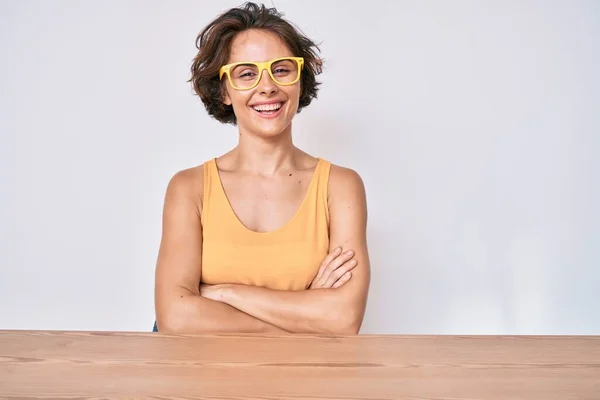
x=334 y=270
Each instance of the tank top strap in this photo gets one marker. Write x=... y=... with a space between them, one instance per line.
x=323 y=176
x=210 y=197
x=206 y=174
x=322 y=186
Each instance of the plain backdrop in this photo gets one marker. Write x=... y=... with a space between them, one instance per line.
x=474 y=124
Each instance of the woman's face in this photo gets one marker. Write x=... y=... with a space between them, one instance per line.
x=261 y=45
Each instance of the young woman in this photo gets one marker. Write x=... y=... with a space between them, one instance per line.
x=265 y=238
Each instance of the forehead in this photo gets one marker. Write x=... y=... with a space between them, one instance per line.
x=257 y=45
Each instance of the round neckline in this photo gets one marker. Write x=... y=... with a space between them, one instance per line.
x=312 y=182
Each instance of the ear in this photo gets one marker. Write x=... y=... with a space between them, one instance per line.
x=226 y=98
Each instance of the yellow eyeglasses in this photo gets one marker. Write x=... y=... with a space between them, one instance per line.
x=246 y=75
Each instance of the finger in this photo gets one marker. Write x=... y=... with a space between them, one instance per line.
x=338 y=273
x=335 y=264
x=343 y=279
x=329 y=258
x=326 y=279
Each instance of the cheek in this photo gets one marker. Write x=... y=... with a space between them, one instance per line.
x=296 y=99
x=239 y=101
x=294 y=95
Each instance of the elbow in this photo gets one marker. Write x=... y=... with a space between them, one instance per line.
x=350 y=325
x=173 y=319
x=170 y=324
x=343 y=323
x=352 y=329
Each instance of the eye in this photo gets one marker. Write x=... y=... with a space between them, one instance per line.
x=244 y=72
x=283 y=68
x=247 y=74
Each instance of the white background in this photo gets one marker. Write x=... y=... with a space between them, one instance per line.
x=474 y=124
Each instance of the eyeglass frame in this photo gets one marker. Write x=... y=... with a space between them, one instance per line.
x=265 y=65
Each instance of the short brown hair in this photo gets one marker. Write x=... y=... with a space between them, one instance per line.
x=214 y=45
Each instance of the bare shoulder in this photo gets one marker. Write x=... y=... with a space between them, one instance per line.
x=345 y=184
x=187 y=185
x=188 y=179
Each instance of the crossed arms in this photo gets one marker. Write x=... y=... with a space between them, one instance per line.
x=334 y=303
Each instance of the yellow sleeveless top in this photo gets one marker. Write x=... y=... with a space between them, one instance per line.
x=285 y=259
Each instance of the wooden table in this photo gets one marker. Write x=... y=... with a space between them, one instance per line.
x=49 y=364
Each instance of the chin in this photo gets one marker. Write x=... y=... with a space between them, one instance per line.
x=271 y=127
x=270 y=131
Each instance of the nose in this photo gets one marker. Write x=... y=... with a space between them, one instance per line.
x=266 y=84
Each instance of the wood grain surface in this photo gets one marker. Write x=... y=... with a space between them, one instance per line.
x=78 y=365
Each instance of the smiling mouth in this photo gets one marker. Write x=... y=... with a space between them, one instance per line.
x=268 y=109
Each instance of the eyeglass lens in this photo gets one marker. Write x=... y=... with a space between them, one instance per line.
x=246 y=75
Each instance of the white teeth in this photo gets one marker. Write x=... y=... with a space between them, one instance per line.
x=268 y=107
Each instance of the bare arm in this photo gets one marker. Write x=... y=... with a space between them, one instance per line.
x=178 y=304
x=336 y=310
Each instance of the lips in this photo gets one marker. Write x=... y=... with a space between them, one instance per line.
x=268 y=110
x=268 y=107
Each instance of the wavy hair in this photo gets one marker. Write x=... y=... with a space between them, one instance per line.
x=214 y=45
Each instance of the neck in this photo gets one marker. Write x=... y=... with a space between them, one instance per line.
x=265 y=156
